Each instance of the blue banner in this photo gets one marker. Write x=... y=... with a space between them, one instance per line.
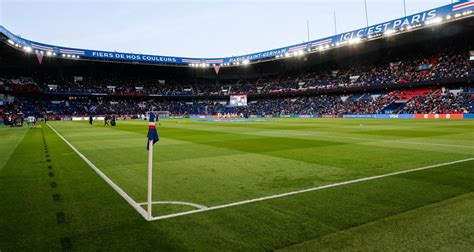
x=371 y=32
x=468 y=116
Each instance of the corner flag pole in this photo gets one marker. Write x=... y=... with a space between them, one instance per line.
x=150 y=172
x=152 y=139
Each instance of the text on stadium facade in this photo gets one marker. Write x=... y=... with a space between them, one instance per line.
x=419 y=18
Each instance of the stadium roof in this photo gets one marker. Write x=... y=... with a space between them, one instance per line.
x=448 y=13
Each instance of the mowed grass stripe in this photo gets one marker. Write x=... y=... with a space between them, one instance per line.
x=446 y=225
x=11 y=137
x=26 y=207
x=354 y=128
x=398 y=136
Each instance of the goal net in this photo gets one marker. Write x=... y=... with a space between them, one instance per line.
x=159 y=114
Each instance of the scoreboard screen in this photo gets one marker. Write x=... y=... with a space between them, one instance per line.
x=238 y=100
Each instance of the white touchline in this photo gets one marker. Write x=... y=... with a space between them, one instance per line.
x=119 y=190
x=306 y=190
x=202 y=208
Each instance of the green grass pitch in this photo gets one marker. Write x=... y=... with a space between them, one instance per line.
x=52 y=200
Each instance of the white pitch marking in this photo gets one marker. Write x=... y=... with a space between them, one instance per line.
x=176 y=203
x=306 y=190
x=119 y=190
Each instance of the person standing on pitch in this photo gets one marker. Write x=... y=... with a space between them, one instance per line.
x=91 y=120
x=112 y=121
x=106 y=120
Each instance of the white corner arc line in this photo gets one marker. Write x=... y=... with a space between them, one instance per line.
x=307 y=190
x=176 y=203
x=119 y=190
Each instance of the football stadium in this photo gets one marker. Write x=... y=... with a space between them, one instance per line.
x=360 y=141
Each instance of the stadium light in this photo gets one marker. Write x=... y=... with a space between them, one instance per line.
x=355 y=41
x=246 y=62
x=287 y=55
x=49 y=53
x=11 y=42
x=27 y=49
x=434 y=21
x=389 y=32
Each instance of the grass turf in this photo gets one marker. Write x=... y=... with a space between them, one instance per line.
x=218 y=163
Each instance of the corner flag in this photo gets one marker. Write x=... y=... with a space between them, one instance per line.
x=152 y=132
x=152 y=139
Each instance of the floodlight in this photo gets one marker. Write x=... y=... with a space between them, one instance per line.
x=389 y=32
x=434 y=21
x=355 y=40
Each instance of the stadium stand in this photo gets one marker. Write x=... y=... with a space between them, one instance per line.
x=429 y=71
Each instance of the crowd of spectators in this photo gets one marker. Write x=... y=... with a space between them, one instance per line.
x=443 y=65
x=434 y=101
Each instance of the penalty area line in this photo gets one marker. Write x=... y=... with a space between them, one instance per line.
x=306 y=190
x=119 y=190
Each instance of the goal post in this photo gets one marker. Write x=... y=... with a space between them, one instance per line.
x=158 y=114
